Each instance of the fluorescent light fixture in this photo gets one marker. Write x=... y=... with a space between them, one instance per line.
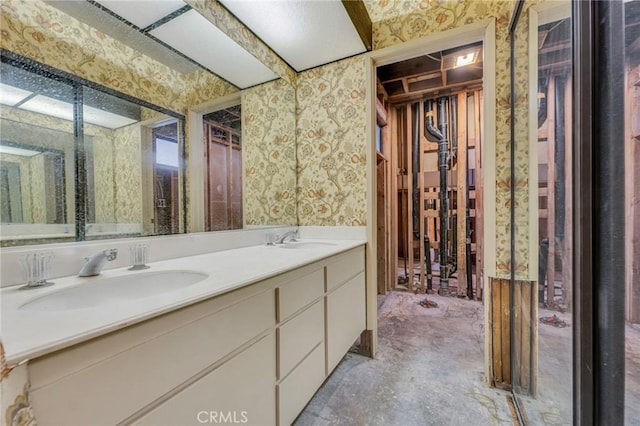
x=12 y=150
x=105 y=118
x=142 y=13
x=466 y=59
x=196 y=37
x=10 y=95
x=64 y=110
x=49 y=106
x=304 y=33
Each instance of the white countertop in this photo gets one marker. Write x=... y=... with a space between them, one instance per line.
x=27 y=334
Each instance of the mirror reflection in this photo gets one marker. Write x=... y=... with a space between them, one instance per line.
x=120 y=176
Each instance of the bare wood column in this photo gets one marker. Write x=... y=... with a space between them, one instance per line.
x=567 y=244
x=551 y=203
x=420 y=215
x=477 y=101
x=409 y=186
x=462 y=194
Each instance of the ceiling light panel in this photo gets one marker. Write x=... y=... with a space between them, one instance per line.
x=197 y=38
x=104 y=118
x=142 y=13
x=49 y=106
x=10 y=95
x=12 y=150
x=304 y=33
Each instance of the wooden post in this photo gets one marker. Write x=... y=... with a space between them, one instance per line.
x=421 y=218
x=477 y=101
x=393 y=199
x=409 y=186
x=551 y=203
x=462 y=194
x=381 y=179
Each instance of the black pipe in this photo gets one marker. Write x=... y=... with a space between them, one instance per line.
x=454 y=245
x=443 y=162
x=415 y=109
x=427 y=261
x=559 y=150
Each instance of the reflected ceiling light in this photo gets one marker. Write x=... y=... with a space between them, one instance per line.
x=142 y=13
x=196 y=37
x=12 y=150
x=304 y=33
x=64 y=110
x=105 y=118
x=10 y=95
x=49 y=106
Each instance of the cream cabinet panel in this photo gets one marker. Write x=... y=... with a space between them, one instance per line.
x=345 y=267
x=112 y=390
x=298 y=293
x=346 y=319
x=298 y=336
x=299 y=387
x=240 y=391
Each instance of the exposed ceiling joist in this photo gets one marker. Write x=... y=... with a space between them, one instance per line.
x=357 y=11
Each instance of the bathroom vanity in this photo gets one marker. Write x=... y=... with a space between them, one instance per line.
x=248 y=344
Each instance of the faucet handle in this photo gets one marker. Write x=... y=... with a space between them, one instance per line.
x=111 y=254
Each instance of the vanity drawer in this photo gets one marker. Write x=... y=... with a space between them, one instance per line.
x=298 y=336
x=299 y=387
x=298 y=293
x=113 y=389
x=242 y=390
x=345 y=267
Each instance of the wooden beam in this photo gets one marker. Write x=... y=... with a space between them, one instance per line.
x=567 y=244
x=381 y=114
x=462 y=194
x=357 y=11
x=440 y=90
x=393 y=198
x=423 y=272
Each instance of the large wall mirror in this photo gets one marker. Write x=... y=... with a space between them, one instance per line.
x=117 y=165
x=78 y=163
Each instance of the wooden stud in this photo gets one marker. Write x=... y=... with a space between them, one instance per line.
x=409 y=186
x=505 y=330
x=477 y=101
x=496 y=326
x=551 y=204
x=518 y=320
x=462 y=194
x=381 y=180
x=423 y=272
x=393 y=198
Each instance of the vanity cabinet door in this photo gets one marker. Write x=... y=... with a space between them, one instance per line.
x=346 y=318
x=240 y=391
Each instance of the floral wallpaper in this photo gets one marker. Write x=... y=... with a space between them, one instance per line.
x=225 y=21
x=398 y=21
x=269 y=154
x=128 y=176
x=331 y=144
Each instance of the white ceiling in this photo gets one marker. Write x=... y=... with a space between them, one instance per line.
x=206 y=44
x=305 y=34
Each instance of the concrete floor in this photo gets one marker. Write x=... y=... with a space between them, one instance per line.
x=429 y=370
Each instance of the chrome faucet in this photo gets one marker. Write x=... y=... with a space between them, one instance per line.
x=96 y=262
x=290 y=235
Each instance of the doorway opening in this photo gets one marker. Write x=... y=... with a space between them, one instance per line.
x=428 y=173
x=166 y=179
x=223 y=169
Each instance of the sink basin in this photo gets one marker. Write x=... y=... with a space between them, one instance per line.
x=115 y=290
x=305 y=245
